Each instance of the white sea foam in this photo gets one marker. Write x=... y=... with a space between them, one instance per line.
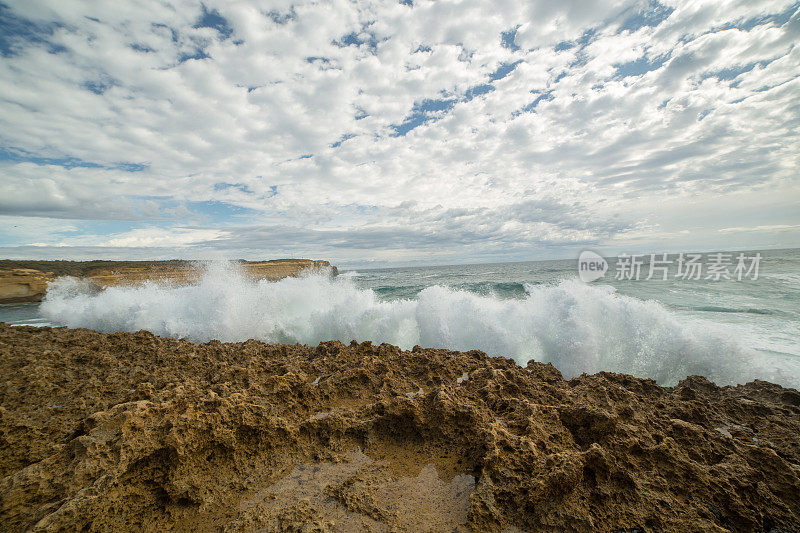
x=577 y=327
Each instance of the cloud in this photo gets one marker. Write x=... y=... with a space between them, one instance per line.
x=500 y=126
x=158 y=237
x=778 y=227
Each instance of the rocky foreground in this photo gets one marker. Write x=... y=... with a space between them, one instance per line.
x=130 y=431
x=26 y=281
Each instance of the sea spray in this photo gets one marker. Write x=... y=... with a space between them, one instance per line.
x=578 y=327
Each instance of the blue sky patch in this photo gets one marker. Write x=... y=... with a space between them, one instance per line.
x=16 y=32
x=655 y=14
x=209 y=211
x=344 y=137
x=731 y=73
x=130 y=167
x=21 y=156
x=212 y=19
x=508 y=39
x=198 y=54
x=777 y=19
x=432 y=109
x=98 y=86
x=423 y=112
x=141 y=48
x=503 y=70
x=238 y=186
x=478 y=90
x=358 y=40
x=360 y=114
x=282 y=18
x=531 y=108
x=640 y=66
x=104 y=227
x=215 y=211
x=581 y=43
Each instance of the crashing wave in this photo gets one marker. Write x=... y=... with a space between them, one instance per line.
x=578 y=327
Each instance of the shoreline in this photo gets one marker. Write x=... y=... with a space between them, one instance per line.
x=130 y=430
x=26 y=281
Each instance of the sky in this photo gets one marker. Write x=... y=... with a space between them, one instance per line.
x=397 y=133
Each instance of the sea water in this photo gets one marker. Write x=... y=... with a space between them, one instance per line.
x=730 y=331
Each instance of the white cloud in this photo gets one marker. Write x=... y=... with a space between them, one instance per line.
x=158 y=237
x=288 y=118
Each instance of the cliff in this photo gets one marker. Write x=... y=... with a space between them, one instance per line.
x=128 y=431
x=26 y=281
x=19 y=285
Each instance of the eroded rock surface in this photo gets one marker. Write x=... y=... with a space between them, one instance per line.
x=130 y=431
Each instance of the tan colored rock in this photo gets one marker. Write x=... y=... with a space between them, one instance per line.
x=284 y=268
x=189 y=273
x=23 y=285
x=132 y=432
x=18 y=285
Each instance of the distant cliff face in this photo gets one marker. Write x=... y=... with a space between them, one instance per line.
x=19 y=284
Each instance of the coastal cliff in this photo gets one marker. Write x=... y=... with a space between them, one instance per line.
x=20 y=285
x=129 y=431
x=26 y=281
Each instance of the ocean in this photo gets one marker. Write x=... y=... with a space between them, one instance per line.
x=729 y=330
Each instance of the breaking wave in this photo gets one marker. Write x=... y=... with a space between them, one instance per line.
x=578 y=327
